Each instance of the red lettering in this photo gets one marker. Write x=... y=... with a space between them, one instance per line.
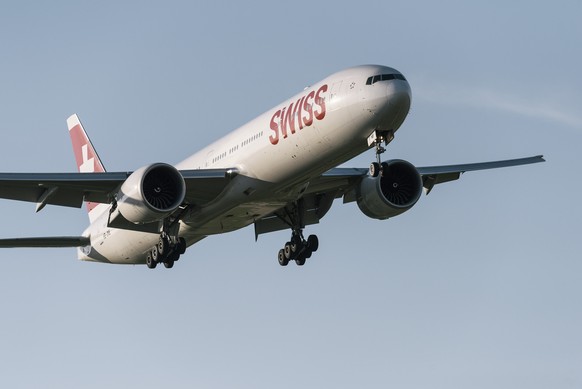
x=284 y=118
x=307 y=108
x=274 y=138
x=300 y=112
x=299 y=107
x=321 y=102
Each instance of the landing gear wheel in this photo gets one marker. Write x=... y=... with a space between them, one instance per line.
x=313 y=242
x=150 y=262
x=155 y=254
x=384 y=168
x=300 y=260
x=375 y=169
x=163 y=246
x=181 y=246
x=283 y=261
x=288 y=251
x=169 y=263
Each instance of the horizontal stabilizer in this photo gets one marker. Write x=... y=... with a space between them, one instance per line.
x=57 y=241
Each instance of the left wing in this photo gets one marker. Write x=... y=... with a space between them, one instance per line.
x=72 y=189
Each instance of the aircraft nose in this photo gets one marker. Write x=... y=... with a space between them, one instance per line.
x=387 y=92
x=396 y=104
x=399 y=95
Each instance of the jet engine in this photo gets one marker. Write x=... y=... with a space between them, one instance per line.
x=151 y=193
x=391 y=193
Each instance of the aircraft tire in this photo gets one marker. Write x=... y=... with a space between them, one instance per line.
x=313 y=242
x=150 y=263
x=169 y=263
x=174 y=256
x=384 y=168
x=181 y=246
x=162 y=246
x=155 y=254
x=283 y=261
x=374 y=169
x=288 y=251
x=300 y=260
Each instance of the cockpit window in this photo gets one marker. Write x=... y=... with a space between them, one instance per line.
x=384 y=77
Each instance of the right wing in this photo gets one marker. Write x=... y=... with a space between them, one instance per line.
x=343 y=182
x=433 y=175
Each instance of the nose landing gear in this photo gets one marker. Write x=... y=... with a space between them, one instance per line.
x=377 y=138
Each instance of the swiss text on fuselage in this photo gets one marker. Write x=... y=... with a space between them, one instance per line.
x=298 y=115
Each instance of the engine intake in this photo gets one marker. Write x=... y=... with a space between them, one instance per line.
x=393 y=192
x=151 y=193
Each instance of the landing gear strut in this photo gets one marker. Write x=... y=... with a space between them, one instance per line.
x=379 y=139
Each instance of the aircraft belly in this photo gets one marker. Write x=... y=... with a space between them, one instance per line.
x=114 y=245
x=231 y=220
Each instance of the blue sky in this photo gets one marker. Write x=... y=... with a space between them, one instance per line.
x=477 y=286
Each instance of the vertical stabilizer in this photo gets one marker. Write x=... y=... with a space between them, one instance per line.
x=87 y=159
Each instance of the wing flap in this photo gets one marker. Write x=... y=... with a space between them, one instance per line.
x=205 y=185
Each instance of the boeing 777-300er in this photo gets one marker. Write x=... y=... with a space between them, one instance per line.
x=279 y=171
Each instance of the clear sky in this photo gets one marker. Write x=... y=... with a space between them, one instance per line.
x=478 y=286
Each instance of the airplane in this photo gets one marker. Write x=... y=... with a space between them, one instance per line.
x=279 y=171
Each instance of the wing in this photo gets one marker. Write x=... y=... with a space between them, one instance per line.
x=72 y=189
x=342 y=182
x=433 y=175
x=340 y=178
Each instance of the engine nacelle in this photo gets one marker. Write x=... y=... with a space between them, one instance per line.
x=393 y=192
x=151 y=193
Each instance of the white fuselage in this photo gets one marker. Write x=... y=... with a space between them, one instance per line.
x=281 y=151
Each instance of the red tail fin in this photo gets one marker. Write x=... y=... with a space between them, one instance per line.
x=87 y=159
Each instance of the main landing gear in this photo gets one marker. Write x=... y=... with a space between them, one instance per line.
x=298 y=249
x=167 y=251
